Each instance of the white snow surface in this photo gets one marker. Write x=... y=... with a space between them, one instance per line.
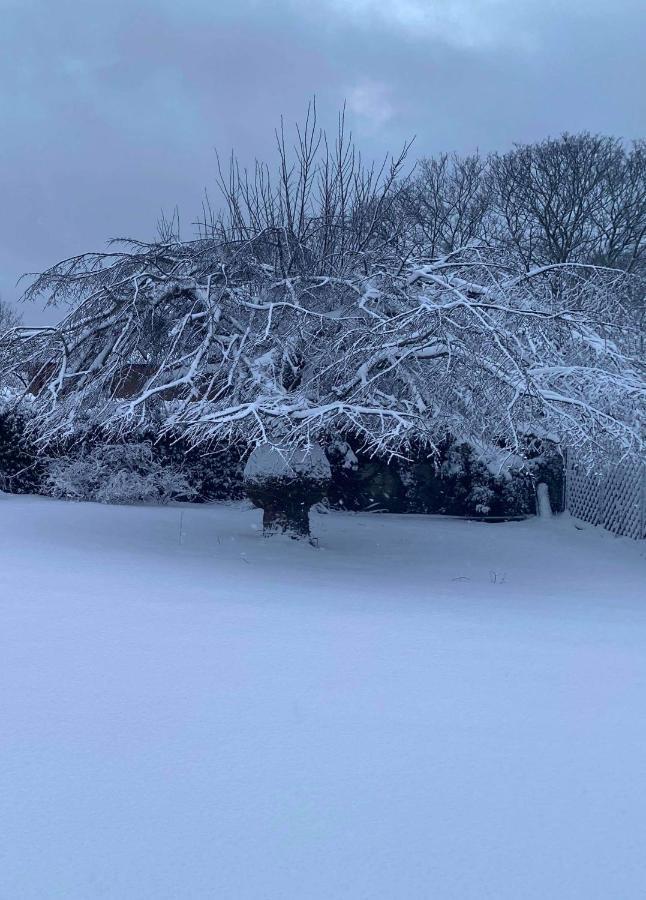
x=422 y=708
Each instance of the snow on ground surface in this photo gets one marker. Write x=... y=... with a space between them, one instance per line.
x=423 y=708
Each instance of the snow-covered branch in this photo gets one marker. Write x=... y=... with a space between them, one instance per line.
x=224 y=345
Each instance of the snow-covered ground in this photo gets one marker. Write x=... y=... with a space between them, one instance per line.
x=422 y=708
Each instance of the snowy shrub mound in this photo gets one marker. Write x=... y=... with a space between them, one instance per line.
x=268 y=461
x=286 y=483
x=116 y=473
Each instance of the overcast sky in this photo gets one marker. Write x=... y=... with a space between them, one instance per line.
x=110 y=111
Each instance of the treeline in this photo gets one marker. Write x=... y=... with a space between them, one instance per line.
x=577 y=198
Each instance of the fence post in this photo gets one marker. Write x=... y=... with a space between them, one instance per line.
x=601 y=499
x=567 y=482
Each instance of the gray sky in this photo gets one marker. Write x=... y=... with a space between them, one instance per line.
x=111 y=111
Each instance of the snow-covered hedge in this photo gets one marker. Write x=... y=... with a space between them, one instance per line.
x=453 y=482
x=116 y=473
x=20 y=466
x=214 y=473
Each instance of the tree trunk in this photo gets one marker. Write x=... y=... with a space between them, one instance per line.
x=286 y=516
x=286 y=504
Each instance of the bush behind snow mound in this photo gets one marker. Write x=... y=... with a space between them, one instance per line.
x=213 y=472
x=21 y=470
x=453 y=482
x=116 y=473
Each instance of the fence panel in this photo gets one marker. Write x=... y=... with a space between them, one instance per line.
x=612 y=496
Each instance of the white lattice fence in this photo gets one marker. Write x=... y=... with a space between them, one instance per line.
x=611 y=496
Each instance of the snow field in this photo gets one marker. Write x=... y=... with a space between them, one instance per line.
x=422 y=708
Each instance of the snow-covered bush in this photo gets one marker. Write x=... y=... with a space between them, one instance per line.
x=115 y=473
x=214 y=473
x=453 y=481
x=472 y=488
x=373 y=483
x=196 y=475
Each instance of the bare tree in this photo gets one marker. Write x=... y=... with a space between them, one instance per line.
x=578 y=198
x=447 y=203
x=9 y=317
x=322 y=211
x=620 y=215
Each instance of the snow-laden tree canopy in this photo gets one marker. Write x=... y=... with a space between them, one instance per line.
x=314 y=304
x=214 y=340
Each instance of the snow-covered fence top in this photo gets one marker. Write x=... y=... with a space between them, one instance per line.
x=611 y=496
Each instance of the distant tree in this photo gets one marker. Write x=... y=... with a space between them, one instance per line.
x=447 y=203
x=9 y=317
x=620 y=217
x=577 y=198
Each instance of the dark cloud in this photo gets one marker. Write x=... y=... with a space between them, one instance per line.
x=111 y=112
